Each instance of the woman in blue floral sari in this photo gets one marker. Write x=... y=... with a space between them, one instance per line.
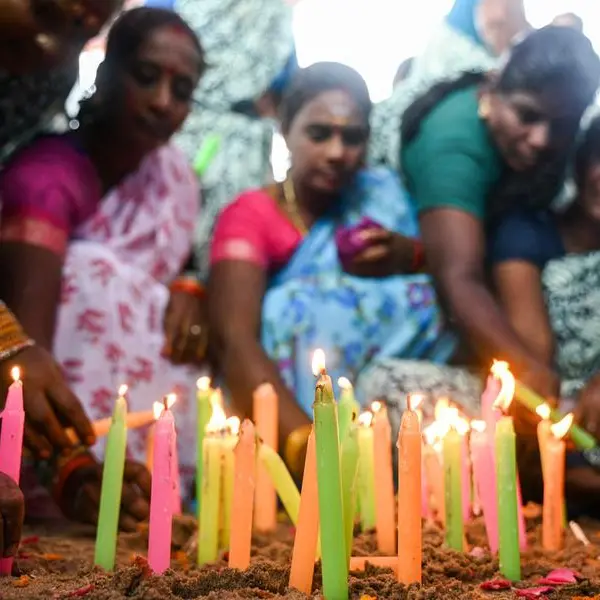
x=328 y=259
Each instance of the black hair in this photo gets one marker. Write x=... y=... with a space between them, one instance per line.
x=322 y=77
x=588 y=151
x=558 y=63
x=577 y=20
x=129 y=31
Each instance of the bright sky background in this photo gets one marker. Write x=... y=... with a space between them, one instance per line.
x=375 y=36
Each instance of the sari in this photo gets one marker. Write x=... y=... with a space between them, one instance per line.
x=120 y=253
x=311 y=302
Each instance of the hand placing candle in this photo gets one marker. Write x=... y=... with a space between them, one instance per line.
x=554 y=484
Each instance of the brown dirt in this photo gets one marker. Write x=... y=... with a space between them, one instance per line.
x=55 y=564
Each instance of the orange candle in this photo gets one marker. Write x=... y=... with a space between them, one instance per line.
x=554 y=485
x=409 y=498
x=102 y=426
x=243 y=498
x=307 y=530
x=266 y=421
x=385 y=509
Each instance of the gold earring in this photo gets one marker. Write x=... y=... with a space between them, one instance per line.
x=484 y=107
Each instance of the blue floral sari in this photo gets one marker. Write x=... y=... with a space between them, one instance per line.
x=312 y=303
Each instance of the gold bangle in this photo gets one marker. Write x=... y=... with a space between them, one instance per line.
x=12 y=337
x=295 y=450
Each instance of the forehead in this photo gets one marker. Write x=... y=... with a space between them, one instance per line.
x=172 y=48
x=331 y=106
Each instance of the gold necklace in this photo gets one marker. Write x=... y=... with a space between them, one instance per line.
x=291 y=205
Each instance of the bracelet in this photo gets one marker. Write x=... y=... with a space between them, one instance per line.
x=418 y=260
x=295 y=444
x=66 y=466
x=12 y=337
x=188 y=285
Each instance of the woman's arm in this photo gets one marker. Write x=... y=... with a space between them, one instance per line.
x=519 y=289
x=235 y=294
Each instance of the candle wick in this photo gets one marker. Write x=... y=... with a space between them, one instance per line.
x=408 y=403
x=166 y=402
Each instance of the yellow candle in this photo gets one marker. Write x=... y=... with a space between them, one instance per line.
x=366 y=471
x=230 y=441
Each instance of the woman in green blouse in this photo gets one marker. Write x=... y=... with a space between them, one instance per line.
x=479 y=144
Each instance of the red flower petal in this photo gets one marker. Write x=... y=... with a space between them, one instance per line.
x=496 y=584
x=536 y=592
x=560 y=577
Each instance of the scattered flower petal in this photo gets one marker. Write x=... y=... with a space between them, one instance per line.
x=32 y=539
x=82 y=591
x=477 y=552
x=496 y=584
x=533 y=593
x=560 y=577
x=51 y=556
x=23 y=581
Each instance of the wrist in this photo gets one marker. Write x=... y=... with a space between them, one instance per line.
x=418 y=256
x=188 y=285
x=68 y=467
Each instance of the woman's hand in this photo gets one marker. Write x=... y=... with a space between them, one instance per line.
x=587 y=413
x=186 y=331
x=81 y=495
x=50 y=405
x=12 y=510
x=388 y=253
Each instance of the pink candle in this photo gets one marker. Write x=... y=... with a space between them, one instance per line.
x=489 y=414
x=11 y=441
x=161 y=500
x=484 y=475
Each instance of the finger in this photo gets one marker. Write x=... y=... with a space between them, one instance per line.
x=13 y=509
x=181 y=341
x=139 y=475
x=37 y=443
x=70 y=407
x=194 y=347
x=47 y=424
x=169 y=328
x=372 y=254
x=375 y=234
x=134 y=504
x=88 y=505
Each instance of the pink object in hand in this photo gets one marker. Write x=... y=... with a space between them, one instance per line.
x=350 y=242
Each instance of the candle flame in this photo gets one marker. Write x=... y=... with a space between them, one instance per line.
x=561 y=428
x=543 y=411
x=318 y=362
x=413 y=401
x=376 y=406
x=15 y=373
x=203 y=384
x=500 y=370
x=233 y=425
x=123 y=389
x=169 y=400
x=435 y=432
x=478 y=426
x=343 y=382
x=365 y=419
x=462 y=425
x=218 y=418
x=157 y=409
x=440 y=408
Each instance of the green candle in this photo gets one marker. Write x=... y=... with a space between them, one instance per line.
x=366 y=472
x=204 y=412
x=452 y=450
x=508 y=520
x=112 y=485
x=207 y=152
x=349 y=473
x=208 y=526
x=347 y=407
x=528 y=398
x=329 y=480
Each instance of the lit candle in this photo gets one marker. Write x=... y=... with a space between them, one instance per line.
x=409 y=490
x=366 y=471
x=452 y=449
x=243 y=498
x=347 y=406
x=204 y=412
x=230 y=440
x=331 y=512
x=169 y=402
x=307 y=530
x=162 y=505
x=506 y=485
x=554 y=486
x=385 y=501
x=112 y=486
x=266 y=420
x=350 y=458
x=11 y=441
x=484 y=475
x=281 y=479
x=489 y=414
x=210 y=498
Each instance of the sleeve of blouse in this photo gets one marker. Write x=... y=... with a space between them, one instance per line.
x=240 y=232
x=36 y=206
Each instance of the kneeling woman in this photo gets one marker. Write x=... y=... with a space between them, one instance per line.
x=283 y=280
x=107 y=213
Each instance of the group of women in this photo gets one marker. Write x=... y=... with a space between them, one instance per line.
x=98 y=228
